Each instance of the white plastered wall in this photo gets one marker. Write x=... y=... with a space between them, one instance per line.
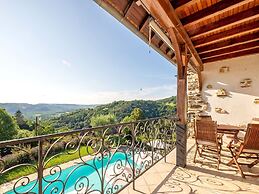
x=239 y=103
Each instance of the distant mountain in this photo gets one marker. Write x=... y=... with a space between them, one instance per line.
x=45 y=110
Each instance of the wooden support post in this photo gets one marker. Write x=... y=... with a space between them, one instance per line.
x=181 y=143
x=182 y=57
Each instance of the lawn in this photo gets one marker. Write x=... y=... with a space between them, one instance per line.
x=26 y=170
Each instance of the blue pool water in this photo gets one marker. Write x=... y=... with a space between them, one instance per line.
x=67 y=178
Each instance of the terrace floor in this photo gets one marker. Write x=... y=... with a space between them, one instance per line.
x=201 y=177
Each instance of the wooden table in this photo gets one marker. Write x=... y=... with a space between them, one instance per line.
x=229 y=129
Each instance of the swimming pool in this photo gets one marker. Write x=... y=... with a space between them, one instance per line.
x=84 y=176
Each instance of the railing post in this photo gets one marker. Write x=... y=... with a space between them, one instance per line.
x=40 y=165
x=165 y=141
x=102 y=154
x=152 y=143
x=133 y=154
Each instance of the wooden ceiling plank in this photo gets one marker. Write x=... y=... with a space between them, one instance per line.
x=232 y=49
x=230 y=20
x=163 y=11
x=232 y=55
x=215 y=9
x=228 y=33
x=229 y=42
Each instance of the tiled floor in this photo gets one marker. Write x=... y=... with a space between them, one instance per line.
x=201 y=177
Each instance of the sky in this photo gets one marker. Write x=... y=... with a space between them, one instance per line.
x=73 y=51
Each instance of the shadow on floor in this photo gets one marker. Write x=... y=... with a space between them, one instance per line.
x=202 y=177
x=198 y=180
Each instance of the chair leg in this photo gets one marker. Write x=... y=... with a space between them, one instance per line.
x=194 y=161
x=239 y=168
x=230 y=162
x=200 y=150
x=235 y=158
x=219 y=157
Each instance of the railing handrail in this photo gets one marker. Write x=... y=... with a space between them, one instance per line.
x=44 y=137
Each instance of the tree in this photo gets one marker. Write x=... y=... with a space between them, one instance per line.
x=135 y=115
x=101 y=120
x=45 y=128
x=22 y=123
x=21 y=133
x=8 y=127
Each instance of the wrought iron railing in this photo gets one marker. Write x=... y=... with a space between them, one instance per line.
x=95 y=160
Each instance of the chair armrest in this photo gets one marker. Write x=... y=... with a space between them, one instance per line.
x=236 y=145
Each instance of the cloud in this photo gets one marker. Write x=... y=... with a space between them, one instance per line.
x=152 y=93
x=55 y=94
x=66 y=63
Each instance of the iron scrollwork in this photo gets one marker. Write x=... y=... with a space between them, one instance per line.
x=103 y=159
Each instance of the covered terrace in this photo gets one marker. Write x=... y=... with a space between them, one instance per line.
x=214 y=44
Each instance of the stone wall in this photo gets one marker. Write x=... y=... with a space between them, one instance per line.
x=196 y=104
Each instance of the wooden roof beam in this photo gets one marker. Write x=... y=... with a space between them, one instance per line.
x=232 y=55
x=231 y=49
x=164 y=13
x=228 y=21
x=239 y=30
x=213 y=10
x=229 y=42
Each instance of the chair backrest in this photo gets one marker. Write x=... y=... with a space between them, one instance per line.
x=251 y=140
x=204 y=118
x=206 y=130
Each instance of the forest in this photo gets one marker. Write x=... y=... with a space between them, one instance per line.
x=17 y=125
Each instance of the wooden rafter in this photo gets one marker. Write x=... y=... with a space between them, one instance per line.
x=215 y=9
x=231 y=49
x=125 y=11
x=112 y=7
x=206 y=31
x=163 y=11
x=232 y=55
x=160 y=43
x=179 y=3
x=230 y=20
x=144 y=22
x=239 y=30
x=229 y=42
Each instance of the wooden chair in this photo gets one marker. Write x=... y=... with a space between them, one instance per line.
x=207 y=139
x=204 y=117
x=249 y=149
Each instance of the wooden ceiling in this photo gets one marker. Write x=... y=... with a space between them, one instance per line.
x=217 y=29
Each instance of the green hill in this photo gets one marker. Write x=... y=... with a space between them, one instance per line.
x=81 y=118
